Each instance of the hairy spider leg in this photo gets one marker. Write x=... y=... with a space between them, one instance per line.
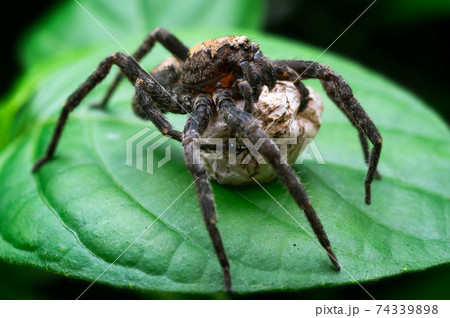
x=194 y=128
x=285 y=73
x=246 y=91
x=365 y=148
x=150 y=97
x=340 y=92
x=254 y=81
x=167 y=39
x=131 y=69
x=245 y=124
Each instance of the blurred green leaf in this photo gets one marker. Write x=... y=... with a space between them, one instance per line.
x=83 y=209
x=70 y=26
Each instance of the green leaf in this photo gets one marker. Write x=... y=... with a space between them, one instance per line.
x=70 y=26
x=84 y=208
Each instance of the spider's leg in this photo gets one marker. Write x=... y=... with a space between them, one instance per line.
x=246 y=92
x=332 y=93
x=285 y=73
x=252 y=78
x=167 y=39
x=245 y=124
x=195 y=126
x=150 y=96
x=341 y=93
x=365 y=149
x=127 y=65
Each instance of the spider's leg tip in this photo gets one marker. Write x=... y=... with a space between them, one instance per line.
x=100 y=106
x=334 y=260
x=228 y=289
x=337 y=267
x=38 y=164
x=368 y=194
x=377 y=175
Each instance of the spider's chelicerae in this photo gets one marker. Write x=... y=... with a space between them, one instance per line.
x=208 y=82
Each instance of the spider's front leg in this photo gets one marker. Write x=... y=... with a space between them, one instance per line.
x=195 y=126
x=285 y=73
x=332 y=93
x=167 y=39
x=131 y=69
x=340 y=92
x=150 y=96
x=247 y=126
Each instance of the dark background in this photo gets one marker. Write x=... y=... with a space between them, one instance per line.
x=404 y=40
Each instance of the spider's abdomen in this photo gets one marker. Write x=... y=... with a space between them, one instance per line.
x=277 y=112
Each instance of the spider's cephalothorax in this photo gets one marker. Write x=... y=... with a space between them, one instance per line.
x=220 y=63
x=226 y=83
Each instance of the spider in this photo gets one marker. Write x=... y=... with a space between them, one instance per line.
x=206 y=82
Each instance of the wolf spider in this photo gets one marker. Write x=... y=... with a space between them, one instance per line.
x=208 y=79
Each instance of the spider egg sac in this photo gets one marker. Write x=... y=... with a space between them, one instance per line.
x=277 y=113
